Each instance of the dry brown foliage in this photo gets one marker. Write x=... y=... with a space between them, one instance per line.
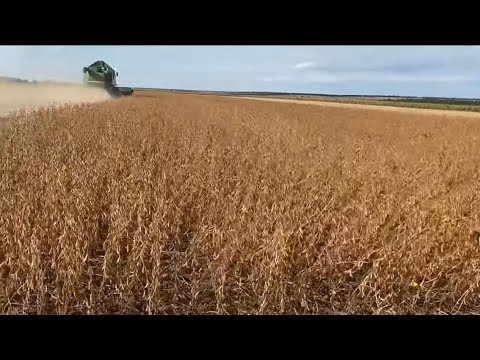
x=184 y=204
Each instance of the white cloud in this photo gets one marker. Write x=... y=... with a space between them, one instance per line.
x=305 y=65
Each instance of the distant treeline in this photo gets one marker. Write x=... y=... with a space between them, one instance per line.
x=452 y=101
x=390 y=98
x=15 y=80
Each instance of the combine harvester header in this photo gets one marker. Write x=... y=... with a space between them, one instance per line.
x=100 y=74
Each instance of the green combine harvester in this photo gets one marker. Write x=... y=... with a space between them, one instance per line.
x=100 y=74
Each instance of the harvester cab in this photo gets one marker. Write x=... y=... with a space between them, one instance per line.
x=100 y=74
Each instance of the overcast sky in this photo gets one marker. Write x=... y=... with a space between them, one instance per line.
x=450 y=71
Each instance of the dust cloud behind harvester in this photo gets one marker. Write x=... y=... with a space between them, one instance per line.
x=30 y=96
